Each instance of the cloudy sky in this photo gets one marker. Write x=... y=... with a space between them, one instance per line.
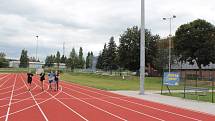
x=87 y=23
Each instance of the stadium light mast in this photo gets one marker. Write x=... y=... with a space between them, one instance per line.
x=142 y=48
x=170 y=37
x=37 y=46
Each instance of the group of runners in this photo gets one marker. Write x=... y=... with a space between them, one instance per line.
x=53 y=78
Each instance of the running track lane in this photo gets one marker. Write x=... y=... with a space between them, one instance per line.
x=75 y=102
x=126 y=101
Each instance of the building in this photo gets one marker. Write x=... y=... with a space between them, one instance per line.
x=15 y=64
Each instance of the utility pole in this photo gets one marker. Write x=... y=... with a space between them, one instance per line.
x=37 y=46
x=142 y=48
x=170 y=37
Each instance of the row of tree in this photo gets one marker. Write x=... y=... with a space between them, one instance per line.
x=193 y=42
x=73 y=61
x=3 y=62
x=127 y=54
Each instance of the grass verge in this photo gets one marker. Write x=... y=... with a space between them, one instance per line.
x=107 y=82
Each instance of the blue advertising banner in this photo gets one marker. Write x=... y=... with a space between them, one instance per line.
x=171 y=78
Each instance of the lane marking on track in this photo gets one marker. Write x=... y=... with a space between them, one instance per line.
x=118 y=105
x=8 y=110
x=96 y=107
x=71 y=84
x=20 y=100
x=66 y=98
x=65 y=104
x=13 y=90
x=6 y=81
x=35 y=101
x=137 y=103
x=4 y=76
x=90 y=105
x=17 y=94
x=6 y=87
x=31 y=106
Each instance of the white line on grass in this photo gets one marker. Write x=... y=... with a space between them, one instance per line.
x=8 y=110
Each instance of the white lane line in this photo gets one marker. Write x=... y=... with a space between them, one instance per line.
x=17 y=94
x=35 y=101
x=8 y=110
x=120 y=98
x=67 y=98
x=88 y=104
x=19 y=100
x=66 y=105
x=30 y=106
x=6 y=87
x=118 y=105
x=95 y=107
x=11 y=91
x=4 y=76
x=6 y=81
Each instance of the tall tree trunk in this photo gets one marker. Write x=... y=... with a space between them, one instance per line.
x=200 y=70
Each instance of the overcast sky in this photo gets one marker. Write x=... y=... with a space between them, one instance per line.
x=87 y=23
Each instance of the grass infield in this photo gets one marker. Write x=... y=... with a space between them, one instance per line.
x=107 y=82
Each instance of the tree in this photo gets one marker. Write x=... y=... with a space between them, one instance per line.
x=88 y=60
x=99 y=62
x=63 y=59
x=194 y=43
x=91 y=59
x=81 y=61
x=73 y=60
x=161 y=60
x=32 y=59
x=24 y=59
x=3 y=62
x=129 y=48
x=111 y=55
x=57 y=59
x=49 y=62
x=104 y=58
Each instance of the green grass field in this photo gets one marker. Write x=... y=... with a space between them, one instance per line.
x=111 y=82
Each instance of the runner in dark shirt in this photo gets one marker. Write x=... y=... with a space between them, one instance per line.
x=57 y=75
x=29 y=80
x=42 y=78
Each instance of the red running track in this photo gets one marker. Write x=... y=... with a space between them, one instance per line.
x=80 y=103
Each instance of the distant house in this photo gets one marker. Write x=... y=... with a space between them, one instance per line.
x=14 y=63
x=36 y=64
x=61 y=65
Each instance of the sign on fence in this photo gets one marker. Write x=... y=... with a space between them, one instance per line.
x=171 y=78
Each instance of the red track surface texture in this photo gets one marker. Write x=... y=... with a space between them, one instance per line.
x=79 y=103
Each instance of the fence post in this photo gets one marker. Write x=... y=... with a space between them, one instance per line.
x=213 y=90
x=162 y=86
x=184 y=86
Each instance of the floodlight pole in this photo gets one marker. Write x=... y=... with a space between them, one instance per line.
x=170 y=37
x=142 y=48
x=36 y=47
